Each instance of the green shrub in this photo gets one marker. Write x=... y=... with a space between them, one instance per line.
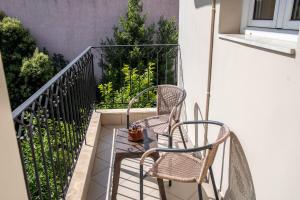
x=133 y=84
x=24 y=74
x=35 y=70
x=130 y=30
x=15 y=44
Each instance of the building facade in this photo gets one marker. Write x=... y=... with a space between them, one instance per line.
x=255 y=83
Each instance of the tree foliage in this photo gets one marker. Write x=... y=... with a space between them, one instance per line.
x=26 y=69
x=133 y=84
x=37 y=69
x=132 y=30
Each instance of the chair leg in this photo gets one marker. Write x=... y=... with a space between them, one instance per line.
x=213 y=183
x=200 y=192
x=170 y=146
x=181 y=134
x=141 y=182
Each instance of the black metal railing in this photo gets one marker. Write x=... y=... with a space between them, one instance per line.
x=129 y=69
x=51 y=127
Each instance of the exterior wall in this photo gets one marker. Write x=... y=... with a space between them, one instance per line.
x=12 y=184
x=68 y=27
x=254 y=91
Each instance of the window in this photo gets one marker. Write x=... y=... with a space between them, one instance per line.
x=280 y=14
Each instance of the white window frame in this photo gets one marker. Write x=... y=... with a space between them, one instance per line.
x=263 y=23
x=287 y=23
x=281 y=20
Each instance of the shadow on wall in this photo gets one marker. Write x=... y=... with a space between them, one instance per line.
x=201 y=3
x=197 y=116
x=240 y=186
x=240 y=183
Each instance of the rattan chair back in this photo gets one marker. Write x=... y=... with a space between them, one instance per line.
x=209 y=157
x=168 y=97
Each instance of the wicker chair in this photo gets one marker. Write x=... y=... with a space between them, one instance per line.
x=169 y=103
x=182 y=164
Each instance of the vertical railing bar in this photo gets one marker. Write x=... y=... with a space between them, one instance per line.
x=39 y=133
x=77 y=105
x=44 y=110
x=69 y=147
x=148 y=77
x=81 y=98
x=69 y=120
x=85 y=87
x=69 y=129
x=175 y=66
x=55 y=135
x=166 y=66
x=32 y=148
x=65 y=145
x=72 y=113
x=93 y=81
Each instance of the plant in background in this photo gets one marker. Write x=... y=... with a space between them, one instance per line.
x=15 y=44
x=17 y=47
x=167 y=34
x=133 y=84
x=37 y=69
x=133 y=30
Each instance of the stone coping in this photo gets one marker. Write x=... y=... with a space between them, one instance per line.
x=81 y=177
x=118 y=116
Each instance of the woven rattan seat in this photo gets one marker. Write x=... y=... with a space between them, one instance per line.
x=182 y=167
x=158 y=124
x=169 y=103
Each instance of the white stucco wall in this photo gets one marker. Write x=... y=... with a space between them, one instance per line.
x=69 y=26
x=12 y=182
x=254 y=91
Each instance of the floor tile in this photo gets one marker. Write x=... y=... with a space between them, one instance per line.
x=129 y=175
x=181 y=190
x=102 y=177
x=102 y=146
x=99 y=165
x=95 y=191
x=105 y=155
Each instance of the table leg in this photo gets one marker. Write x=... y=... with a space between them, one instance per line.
x=116 y=177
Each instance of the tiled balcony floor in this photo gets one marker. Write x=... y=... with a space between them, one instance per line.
x=129 y=176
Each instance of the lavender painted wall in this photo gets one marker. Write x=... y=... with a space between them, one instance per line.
x=69 y=26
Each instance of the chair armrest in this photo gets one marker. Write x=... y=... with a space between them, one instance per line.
x=134 y=100
x=171 y=150
x=195 y=122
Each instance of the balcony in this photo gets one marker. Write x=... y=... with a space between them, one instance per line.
x=65 y=129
